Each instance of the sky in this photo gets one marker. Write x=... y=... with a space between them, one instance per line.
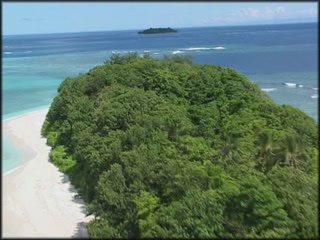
x=54 y=17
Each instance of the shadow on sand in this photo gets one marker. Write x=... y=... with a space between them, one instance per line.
x=81 y=230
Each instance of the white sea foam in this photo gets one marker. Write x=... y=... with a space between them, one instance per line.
x=300 y=85
x=177 y=52
x=315 y=88
x=12 y=170
x=7 y=53
x=291 y=85
x=314 y=96
x=196 y=49
x=218 y=48
x=203 y=48
x=28 y=52
x=156 y=53
x=146 y=51
x=119 y=52
x=268 y=89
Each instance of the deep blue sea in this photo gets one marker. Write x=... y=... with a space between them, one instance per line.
x=281 y=59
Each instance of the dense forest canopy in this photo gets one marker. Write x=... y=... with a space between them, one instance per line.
x=169 y=148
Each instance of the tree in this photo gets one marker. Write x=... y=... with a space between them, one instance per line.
x=167 y=148
x=146 y=204
x=266 y=157
x=292 y=153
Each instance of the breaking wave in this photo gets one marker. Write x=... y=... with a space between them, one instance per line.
x=291 y=85
x=268 y=89
x=218 y=48
x=202 y=48
x=177 y=52
x=197 y=49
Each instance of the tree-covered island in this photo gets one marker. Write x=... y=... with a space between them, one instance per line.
x=168 y=148
x=158 y=30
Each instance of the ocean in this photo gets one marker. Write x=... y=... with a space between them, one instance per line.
x=281 y=59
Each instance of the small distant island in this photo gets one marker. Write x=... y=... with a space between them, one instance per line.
x=158 y=30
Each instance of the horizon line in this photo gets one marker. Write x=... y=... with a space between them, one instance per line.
x=95 y=31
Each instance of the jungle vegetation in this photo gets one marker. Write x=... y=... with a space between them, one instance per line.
x=170 y=148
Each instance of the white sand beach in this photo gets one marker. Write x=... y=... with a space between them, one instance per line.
x=37 y=199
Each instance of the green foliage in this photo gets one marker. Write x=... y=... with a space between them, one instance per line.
x=118 y=59
x=146 y=206
x=50 y=135
x=299 y=195
x=51 y=138
x=258 y=210
x=99 y=228
x=199 y=214
x=167 y=148
x=60 y=158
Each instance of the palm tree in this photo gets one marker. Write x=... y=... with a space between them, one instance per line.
x=266 y=156
x=292 y=152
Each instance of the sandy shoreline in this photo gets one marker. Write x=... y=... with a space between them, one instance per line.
x=37 y=199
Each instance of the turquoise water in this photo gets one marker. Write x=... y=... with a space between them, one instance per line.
x=30 y=84
x=11 y=155
x=10 y=151
x=271 y=56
